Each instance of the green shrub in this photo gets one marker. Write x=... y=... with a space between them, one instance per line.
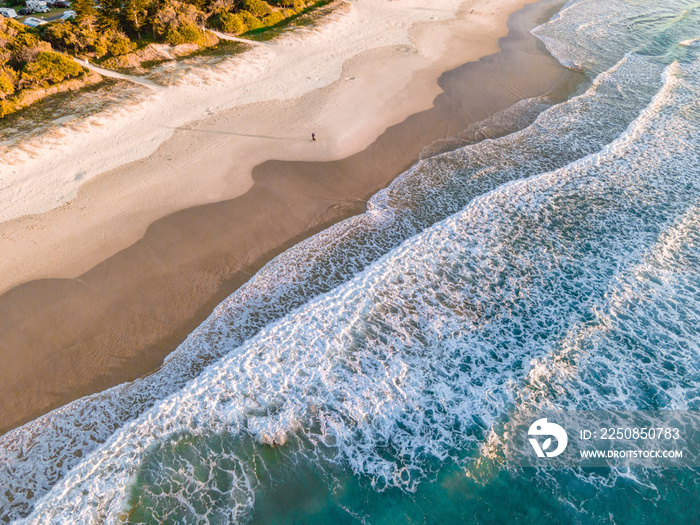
x=184 y=34
x=81 y=37
x=296 y=5
x=288 y=3
x=250 y=21
x=118 y=43
x=256 y=7
x=24 y=48
x=178 y=22
x=50 y=68
x=232 y=23
x=274 y=18
x=8 y=80
x=78 y=37
x=6 y=108
x=26 y=62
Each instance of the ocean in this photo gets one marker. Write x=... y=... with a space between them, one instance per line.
x=365 y=375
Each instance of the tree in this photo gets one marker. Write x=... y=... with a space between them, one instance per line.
x=135 y=14
x=218 y=7
x=256 y=7
x=108 y=17
x=84 y=9
x=78 y=37
x=25 y=47
x=114 y=43
x=179 y=22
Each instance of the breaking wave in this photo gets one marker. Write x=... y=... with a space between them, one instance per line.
x=554 y=267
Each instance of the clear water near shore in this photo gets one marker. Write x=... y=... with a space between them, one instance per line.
x=362 y=376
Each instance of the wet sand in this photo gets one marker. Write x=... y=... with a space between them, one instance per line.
x=61 y=339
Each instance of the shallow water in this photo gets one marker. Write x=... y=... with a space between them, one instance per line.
x=363 y=376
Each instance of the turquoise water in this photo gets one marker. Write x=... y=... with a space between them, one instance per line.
x=365 y=375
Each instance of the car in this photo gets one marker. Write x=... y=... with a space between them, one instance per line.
x=67 y=15
x=25 y=11
x=61 y=4
x=41 y=9
x=33 y=22
x=7 y=12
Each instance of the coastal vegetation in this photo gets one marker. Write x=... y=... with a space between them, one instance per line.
x=119 y=27
x=29 y=65
x=120 y=34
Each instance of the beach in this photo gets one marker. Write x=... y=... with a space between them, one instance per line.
x=426 y=315
x=103 y=284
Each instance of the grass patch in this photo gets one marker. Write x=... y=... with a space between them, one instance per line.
x=54 y=14
x=304 y=18
x=66 y=103
x=222 y=49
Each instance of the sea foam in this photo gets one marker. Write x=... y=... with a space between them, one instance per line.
x=555 y=266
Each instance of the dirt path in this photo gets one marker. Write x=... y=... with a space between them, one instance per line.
x=113 y=74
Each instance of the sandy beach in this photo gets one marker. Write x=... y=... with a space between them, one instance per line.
x=112 y=271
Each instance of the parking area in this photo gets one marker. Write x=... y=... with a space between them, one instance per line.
x=52 y=12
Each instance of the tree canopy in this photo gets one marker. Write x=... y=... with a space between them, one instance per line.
x=29 y=57
x=27 y=62
x=171 y=21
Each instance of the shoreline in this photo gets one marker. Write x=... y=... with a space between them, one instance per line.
x=118 y=320
x=113 y=210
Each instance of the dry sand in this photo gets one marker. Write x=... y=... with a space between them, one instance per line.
x=115 y=279
x=212 y=160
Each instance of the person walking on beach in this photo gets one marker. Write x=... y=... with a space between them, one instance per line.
x=313 y=137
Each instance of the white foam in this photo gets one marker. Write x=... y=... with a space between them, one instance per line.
x=593 y=35
x=395 y=369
